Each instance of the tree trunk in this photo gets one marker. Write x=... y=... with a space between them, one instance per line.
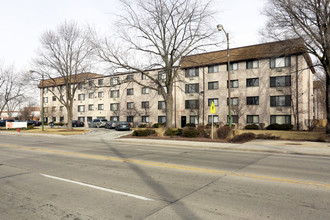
x=327 y=103
x=169 y=110
x=69 y=114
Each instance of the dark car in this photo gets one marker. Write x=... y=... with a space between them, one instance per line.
x=122 y=125
x=2 y=123
x=30 y=122
x=76 y=123
x=37 y=123
x=110 y=124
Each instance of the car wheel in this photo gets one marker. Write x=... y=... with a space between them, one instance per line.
x=74 y=125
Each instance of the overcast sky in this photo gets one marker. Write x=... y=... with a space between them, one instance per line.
x=23 y=21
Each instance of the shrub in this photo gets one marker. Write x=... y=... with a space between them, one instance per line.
x=146 y=132
x=30 y=127
x=266 y=136
x=173 y=132
x=243 y=137
x=142 y=125
x=190 y=125
x=224 y=132
x=190 y=132
x=252 y=127
x=279 y=127
x=262 y=126
x=59 y=124
x=204 y=131
x=156 y=125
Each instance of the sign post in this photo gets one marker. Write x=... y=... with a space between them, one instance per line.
x=212 y=112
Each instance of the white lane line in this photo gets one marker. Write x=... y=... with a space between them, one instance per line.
x=99 y=188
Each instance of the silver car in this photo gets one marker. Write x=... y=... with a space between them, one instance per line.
x=97 y=123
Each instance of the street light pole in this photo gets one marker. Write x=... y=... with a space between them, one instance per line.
x=220 y=28
x=42 y=99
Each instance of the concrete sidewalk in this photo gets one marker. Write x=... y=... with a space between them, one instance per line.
x=268 y=146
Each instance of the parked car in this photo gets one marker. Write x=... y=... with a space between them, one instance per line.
x=97 y=123
x=110 y=124
x=2 y=123
x=31 y=122
x=37 y=123
x=122 y=125
x=76 y=123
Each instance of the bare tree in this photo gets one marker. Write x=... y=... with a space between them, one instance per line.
x=64 y=59
x=11 y=86
x=159 y=32
x=27 y=110
x=308 y=20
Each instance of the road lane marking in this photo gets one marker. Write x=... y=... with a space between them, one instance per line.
x=99 y=188
x=167 y=165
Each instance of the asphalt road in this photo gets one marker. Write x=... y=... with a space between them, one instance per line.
x=92 y=177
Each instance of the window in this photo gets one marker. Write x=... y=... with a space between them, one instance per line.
x=145 y=104
x=114 y=118
x=91 y=107
x=62 y=98
x=280 y=119
x=192 y=88
x=161 y=105
x=252 y=64
x=279 y=81
x=46 y=109
x=284 y=100
x=145 y=90
x=53 y=88
x=161 y=75
x=81 y=119
x=45 y=99
x=81 y=108
x=54 y=98
x=62 y=87
x=130 y=105
x=234 y=119
x=45 y=90
x=253 y=100
x=161 y=119
x=100 y=82
x=252 y=82
x=191 y=104
x=213 y=69
x=114 y=94
x=53 y=108
x=61 y=108
x=100 y=107
x=90 y=83
x=233 y=66
x=213 y=85
x=144 y=76
x=100 y=94
x=192 y=72
x=114 y=81
x=54 y=119
x=145 y=119
x=89 y=119
x=91 y=95
x=61 y=119
x=234 y=101
x=130 y=119
x=233 y=83
x=114 y=106
x=215 y=119
x=159 y=90
x=130 y=77
x=215 y=101
x=130 y=91
x=81 y=86
x=81 y=97
x=280 y=62
x=194 y=119
x=252 y=119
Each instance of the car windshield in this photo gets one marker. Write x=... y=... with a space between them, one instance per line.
x=104 y=120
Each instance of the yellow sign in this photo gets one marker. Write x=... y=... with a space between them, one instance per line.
x=212 y=108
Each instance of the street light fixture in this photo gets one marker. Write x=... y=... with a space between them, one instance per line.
x=42 y=98
x=220 y=28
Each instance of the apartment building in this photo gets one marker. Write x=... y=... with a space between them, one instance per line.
x=269 y=83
